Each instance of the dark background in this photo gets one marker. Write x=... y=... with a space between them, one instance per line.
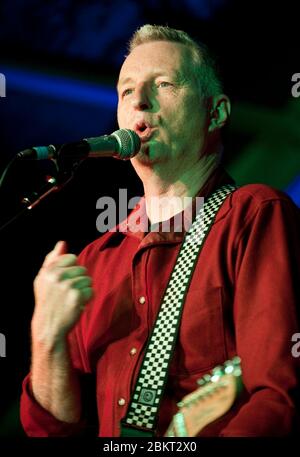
x=61 y=61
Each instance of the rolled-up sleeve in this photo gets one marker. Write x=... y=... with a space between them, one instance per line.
x=38 y=422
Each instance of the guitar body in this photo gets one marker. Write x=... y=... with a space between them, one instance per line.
x=214 y=397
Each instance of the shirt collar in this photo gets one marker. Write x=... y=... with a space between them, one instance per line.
x=136 y=225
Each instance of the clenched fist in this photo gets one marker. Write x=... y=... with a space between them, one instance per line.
x=61 y=290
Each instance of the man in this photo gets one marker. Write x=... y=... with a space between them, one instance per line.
x=244 y=290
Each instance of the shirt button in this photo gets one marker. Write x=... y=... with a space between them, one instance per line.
x=121 y=401
x=142 y=300
x=133 y=351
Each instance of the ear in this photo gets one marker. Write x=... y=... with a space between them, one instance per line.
x=219 y=112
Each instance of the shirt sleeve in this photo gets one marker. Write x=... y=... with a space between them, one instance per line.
x=266 y=315
x=38 y=422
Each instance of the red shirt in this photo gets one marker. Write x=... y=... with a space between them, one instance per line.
x=242 y=300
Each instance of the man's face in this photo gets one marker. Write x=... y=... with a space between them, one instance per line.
x=159 y=100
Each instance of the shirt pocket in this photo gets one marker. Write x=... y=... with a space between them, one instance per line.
x=201 y=342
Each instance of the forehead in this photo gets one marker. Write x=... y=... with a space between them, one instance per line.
x=155 y=57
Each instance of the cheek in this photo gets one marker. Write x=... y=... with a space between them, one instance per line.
x=183 y=121
x=189 y=128
x=182 y=112
x=119 y=116
x=123 y=116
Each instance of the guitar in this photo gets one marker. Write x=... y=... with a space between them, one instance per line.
x=214 y=397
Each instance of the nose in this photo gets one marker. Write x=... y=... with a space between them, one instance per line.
x=141 y=100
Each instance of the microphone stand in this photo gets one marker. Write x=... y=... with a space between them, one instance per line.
x=52 y=185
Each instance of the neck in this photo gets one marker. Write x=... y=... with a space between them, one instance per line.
x=167 y=197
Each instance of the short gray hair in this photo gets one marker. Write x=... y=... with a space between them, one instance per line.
x=205 y=68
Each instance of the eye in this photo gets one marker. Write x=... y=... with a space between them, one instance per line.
x=127 y=92
x=164 y=84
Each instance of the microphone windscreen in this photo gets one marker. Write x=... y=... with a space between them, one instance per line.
x=129 y=143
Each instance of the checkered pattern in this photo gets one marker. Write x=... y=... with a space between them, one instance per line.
x=142 y=411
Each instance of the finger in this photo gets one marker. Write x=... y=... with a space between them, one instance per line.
x=59 y=249
x=66 y=260
x=72 y=272
x=81 y=282
x=87 y=294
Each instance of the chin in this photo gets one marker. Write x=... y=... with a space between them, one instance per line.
x=149 y=155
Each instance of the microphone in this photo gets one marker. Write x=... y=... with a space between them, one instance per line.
x=121 y=144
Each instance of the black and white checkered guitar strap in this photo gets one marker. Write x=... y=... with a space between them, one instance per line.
x=142 y=412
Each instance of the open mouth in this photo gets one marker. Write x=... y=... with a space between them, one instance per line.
x=144 y=130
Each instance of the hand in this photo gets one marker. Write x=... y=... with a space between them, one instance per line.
x=61 y=289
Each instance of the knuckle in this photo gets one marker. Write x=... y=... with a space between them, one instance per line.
x=63 y=274
x=80 y=281
x=86 y=281
x=45 y=275
x=66 y=259
x=87 y=293
x=74 y=294
x=65 y=285
x=52 y=275
x=78 y=271
x=67 y=273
